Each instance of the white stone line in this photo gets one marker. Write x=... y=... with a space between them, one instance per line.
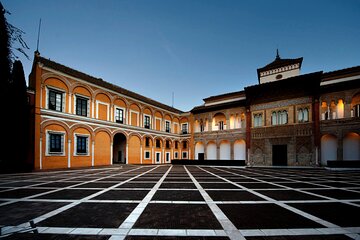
x=231 y=231
x=290 y=208
x=77 y=202
x=135 y=214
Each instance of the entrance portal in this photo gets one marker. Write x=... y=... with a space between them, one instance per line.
x=279 y=155
x=201 y=156
x=119 y=148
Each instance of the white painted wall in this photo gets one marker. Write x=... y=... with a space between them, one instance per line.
x=351 y=147
x=199 y=148
x=272 y=77
x=225 y=151
x=328 y=149
x=240 y=150
x=211 y=151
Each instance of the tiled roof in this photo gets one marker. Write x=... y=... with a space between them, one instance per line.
x=225 y=95
x=98 y=81
x=203 y=108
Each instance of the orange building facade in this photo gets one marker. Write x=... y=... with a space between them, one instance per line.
x=82 y=121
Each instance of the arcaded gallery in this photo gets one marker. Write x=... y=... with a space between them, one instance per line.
x=287 y=119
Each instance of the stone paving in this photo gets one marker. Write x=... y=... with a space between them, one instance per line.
x=181 y=202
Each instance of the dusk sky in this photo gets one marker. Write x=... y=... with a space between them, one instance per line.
x=194 y=48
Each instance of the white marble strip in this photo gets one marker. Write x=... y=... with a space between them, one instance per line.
x=229 y=228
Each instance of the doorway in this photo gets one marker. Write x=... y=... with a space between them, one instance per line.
x=201 y=156
x=158 y=157
x=119 y=149
x=279 y=155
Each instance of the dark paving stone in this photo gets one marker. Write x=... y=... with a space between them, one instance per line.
x=210 y=180
x=31 y=236
x=174 y=195
x=68 y=194
x=258 y=185
x=137 y=185
x=19 y=184
x=96 y=185
x=178 y=185
x=218 y=186
x=173 y=238
x=288 y=195
x=339 y=184
x=98 y=215
x=177 y=216
x=338 y=213
x=21 y=212
x=309 y=237
x=146 y=179
x=337 y=193
x=260 y=216
x=122 y=195
x=59 y=184
x=22 y=192
x=177 y=179
x=218 y=195
x=299 y=185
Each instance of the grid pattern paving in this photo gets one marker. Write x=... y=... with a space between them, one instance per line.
x=181 y=202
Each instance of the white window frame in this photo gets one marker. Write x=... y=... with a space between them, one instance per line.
x=147 y=158
x=182 y=155
x=147 y=115
x=176 y=155
x=187 y=128
x=76 y=135
x=63 y=100
x=168 y=157
x=156 y=161
x=167 y=121
x=63 y=144
x=88 y=104
x=97 y=109
x=124 y=114
x=137 y=117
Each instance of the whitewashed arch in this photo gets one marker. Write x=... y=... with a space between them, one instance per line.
x=351 y=146
x=240 y=150
x=211 y=151
x=225 y=150
x=328 y=148
x=199 y=148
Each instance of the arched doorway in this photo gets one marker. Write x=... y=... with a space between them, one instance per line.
x=225 y=150
x=211 y=151
x=240 y=150
x=119 y=148
x=199 y=151
x=328 y=148
x=351 y=146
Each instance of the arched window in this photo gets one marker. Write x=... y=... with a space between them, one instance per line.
x=300 y=115
x=273 y=118
x=306 y=115
x=284 y=117
x=279 y=117
x=258 y=120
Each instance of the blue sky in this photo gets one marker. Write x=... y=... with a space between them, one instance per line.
x=194 y=48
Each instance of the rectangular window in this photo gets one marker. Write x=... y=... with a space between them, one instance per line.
x=184 y=128
x=119 y=115
x=167 y=157
x=176 y=155
x=184 y=145
x=55 y=100
x=56 y=143
x=147 y=154
x=147 y=122
x=81 y=106
x=81 y=145
x=184 y=155
x=167 y=126
x=147 y=142
x=158 y=144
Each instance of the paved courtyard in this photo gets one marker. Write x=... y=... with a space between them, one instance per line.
x=181 y=202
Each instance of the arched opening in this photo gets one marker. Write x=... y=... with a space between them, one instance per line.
x=225 y=150
x=328 y=148
x=340 y=109
x=211 y=151
x=355 y=106
x=240 y=150
x=197 y=126
x=219 y=122
x=232 y=122
x=199 y=151
x=119 y=148
x=351 y=146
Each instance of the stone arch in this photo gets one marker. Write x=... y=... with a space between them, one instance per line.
x=83 y=86
x=81 y=125
x=328 y=148
x=48 y=122
x=134 y=154
x=199 y=149
x=240 y=150
x=219 y=121
x=46 y=76
x=102 y=148
x=211 y=151
x=225 y=150
x=351 y=146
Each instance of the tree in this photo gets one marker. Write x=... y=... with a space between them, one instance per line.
x=5 y=66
